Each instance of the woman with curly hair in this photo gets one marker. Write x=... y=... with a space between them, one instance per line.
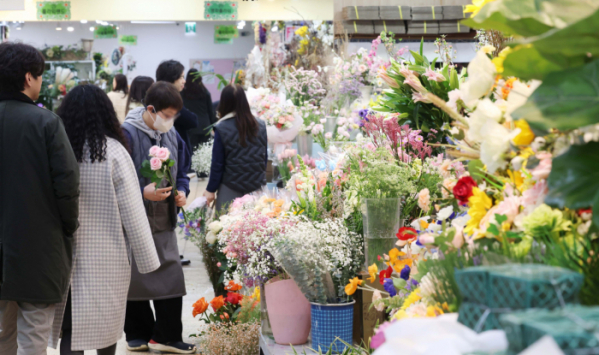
x=112 y=217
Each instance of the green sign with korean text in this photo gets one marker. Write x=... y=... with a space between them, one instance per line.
x=229 y=31
x=220 y=10
x=223 y=40
x=105 y=32
x=127 y=40
x=53 y=10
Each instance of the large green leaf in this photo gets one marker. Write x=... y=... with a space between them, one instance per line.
x=527 y=18
x=568 y=47
x=574 y=179
x=527 y=63
x=566 y=100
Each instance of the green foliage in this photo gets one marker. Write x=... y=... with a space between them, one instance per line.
x=574 y=179
x=527 y=64
x=362 y=349
x=249 y=312
x=566 y=100
x=528 y=18
x=581 y=255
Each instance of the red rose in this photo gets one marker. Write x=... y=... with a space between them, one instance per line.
x=584 y=210
x=463 y=189
x=385 y=274
x=406 y=233
x=234 y=298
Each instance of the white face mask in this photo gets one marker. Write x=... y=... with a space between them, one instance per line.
x=162 y=125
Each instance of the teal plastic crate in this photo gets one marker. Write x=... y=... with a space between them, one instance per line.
x=519 y=286
x=574 y=328
x=470 y=315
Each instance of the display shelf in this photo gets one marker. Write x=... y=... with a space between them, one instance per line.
x=269 y=347
x=86 y=69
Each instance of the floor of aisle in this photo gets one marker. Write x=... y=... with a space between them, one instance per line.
x=196 y=280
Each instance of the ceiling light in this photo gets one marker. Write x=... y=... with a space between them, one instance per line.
x=92 y=29
x=19 y=28
x=117 y=27
x=58 y=28
x=98 y=21
x=154 y=22
x=240 y=25
x=83 y=21
x=70 y=29
x=275 y=28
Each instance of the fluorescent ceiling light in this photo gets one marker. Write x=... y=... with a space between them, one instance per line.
x=154 y=22
x=92 y=29
x=70 y=29
x=83 y=21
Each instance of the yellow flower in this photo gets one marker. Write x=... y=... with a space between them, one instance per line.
x=479 y=204
x=373 y=270
x=476 y=6
x=445 y=306
x=423 y=224
x=488 y=49
x=401 y=314
x=352 y=286
x=525 y=137
x=411 y=299
x=516 y=178
x=433 y=311
x=302 y=31
x=498 y=61
x=256 y=294
x=304 y=42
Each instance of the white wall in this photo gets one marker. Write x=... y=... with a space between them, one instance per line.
x=465 y=50
x=155 y=42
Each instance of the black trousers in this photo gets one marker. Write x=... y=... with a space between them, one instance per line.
x=167 y=327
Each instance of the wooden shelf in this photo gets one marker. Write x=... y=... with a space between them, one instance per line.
x=411 y=37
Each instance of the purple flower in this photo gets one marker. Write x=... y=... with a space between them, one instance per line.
x=40 y=105
x=389 y=287
x=363 y=113
x=411 y=284
x=405 y=273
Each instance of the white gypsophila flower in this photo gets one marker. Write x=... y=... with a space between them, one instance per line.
x=201 y=160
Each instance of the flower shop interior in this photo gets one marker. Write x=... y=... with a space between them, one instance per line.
x=410 y=202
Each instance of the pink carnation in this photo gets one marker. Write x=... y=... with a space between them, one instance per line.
x=155 y=164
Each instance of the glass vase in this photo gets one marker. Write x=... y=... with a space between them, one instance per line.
x=265 y=323
x=304 y=144
x=382 y=220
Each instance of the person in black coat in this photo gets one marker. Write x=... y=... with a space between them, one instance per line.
x=39 y=196
x=199 y=101
x=173 y=72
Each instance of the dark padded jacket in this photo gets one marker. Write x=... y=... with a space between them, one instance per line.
x=39 y=195
x=245 y=170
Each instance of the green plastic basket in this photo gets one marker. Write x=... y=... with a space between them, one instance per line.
x=574 y=328
x=519 y=286
x=470 y=315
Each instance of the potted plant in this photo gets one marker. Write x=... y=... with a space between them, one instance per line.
x=320 y=257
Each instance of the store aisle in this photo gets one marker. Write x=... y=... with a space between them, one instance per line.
x=196 y=280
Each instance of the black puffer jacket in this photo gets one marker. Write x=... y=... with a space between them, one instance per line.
x=39 y=195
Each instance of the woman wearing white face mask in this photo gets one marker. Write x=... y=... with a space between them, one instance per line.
x=144 y=128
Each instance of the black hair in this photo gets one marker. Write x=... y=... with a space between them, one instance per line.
x=121 y=83
x=170 y=71
x=194 y=88
x=233 y=99
x=89 y=117
x=139 y=88
x=163 y=95
x=16 y=60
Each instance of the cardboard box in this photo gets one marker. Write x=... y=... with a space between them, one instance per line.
x=427 y=13
x=452 y=26
x=397 y=27
x=454 y=12
x=395 y=12
x=361 y=13
x=423 y=27
x=366 y=318
x=358 y=27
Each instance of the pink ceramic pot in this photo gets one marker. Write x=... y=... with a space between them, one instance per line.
x=288 y=312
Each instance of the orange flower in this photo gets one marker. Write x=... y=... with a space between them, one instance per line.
x=232 y=286
x=217 y=303
x=226 y=315
x=200 y=307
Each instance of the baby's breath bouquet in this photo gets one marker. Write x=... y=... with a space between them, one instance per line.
x=201 y=160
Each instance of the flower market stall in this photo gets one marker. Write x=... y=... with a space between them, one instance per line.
x=460 y=201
